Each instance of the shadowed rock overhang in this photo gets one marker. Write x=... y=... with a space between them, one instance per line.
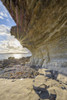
x=42 y=28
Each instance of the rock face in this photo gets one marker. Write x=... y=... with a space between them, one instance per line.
x=42 y=28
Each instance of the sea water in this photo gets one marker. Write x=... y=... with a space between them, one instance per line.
x=17 y=56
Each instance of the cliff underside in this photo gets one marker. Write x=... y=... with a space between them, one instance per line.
x=42 y=28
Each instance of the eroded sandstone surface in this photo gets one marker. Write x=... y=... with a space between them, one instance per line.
x=38 y=88
x=42 y=28
x=21 y=82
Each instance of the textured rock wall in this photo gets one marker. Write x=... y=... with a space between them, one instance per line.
x=42 y=28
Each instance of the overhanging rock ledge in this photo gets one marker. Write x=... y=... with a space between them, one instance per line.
x=42 y=28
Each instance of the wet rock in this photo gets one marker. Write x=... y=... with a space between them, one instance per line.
x=49 y=73
x=52 y=97
x=19 y=72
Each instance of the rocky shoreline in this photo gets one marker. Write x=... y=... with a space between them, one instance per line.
x=16 y=69
x=37 y=83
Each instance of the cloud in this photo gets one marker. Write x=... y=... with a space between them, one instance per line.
x=5 y=17
x=6 y=40
x=3 y=14
x=9 y=43
x=8 y=20
x=1 y=17
x=4 y=30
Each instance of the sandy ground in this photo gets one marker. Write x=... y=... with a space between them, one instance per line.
x=39 y=88
x=15 y=89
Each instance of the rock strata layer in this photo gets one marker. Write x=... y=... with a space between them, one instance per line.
x=42 y=28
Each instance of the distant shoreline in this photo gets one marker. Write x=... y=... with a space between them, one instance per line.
x=13 y=53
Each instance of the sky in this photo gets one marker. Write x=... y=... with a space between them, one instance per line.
x=8 y=43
